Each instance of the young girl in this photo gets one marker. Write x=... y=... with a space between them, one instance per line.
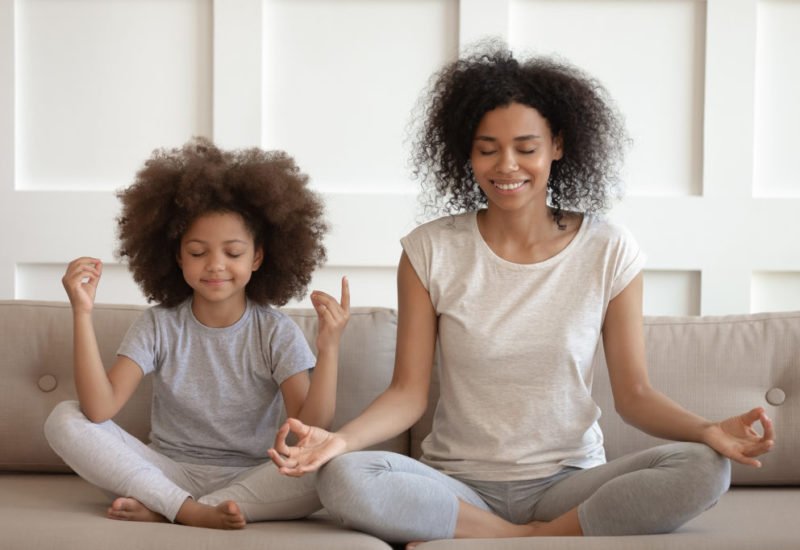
x=518 y=285
x=214 y=237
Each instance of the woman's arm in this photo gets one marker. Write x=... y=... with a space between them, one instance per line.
x=101 y=395
x=392 y=412
x=640 y=405
x=313 y=400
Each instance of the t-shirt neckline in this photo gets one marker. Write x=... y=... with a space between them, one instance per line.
x=563 y=253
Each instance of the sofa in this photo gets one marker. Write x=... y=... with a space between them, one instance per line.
x=716 y=366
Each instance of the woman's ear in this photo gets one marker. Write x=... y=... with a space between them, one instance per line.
x=258 y=257
x=558 y=146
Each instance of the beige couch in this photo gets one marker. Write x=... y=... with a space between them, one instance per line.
x=715 y=366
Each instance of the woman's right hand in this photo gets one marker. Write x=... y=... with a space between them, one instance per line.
x=80 y=281
x=314 y=448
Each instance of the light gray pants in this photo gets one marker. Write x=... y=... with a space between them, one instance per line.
x=107 y=456
x=400 y=499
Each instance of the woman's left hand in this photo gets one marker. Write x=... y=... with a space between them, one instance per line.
x=736 y=438
x=332 y=316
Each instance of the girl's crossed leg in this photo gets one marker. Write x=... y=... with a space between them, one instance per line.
x=157 y=488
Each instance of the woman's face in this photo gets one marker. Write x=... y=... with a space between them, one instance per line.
x=512 y=151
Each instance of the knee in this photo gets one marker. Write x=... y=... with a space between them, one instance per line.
x=712 y=471
x=343 y=484
x=60 y=422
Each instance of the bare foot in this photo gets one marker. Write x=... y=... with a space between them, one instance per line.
x=412 y=545
x=225 y=515
x=130 y=509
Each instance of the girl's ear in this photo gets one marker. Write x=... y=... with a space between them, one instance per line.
x=178 y=259
x=258 y=257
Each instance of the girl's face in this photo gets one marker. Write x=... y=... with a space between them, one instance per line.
x=511 y=156
x=217 y=257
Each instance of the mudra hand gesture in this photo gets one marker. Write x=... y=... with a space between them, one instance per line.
x=736 y=438
x=314 y=448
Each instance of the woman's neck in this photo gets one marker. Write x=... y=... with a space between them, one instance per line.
x=520 y=237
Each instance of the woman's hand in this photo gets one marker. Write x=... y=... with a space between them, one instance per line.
x=314 y=448
x=332 y=316
x=80 y=281
x=736 y=438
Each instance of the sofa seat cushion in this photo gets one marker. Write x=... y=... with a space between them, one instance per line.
x=63 y=511
x=745 y=518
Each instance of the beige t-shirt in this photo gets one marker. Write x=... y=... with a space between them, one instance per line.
x=517 y=343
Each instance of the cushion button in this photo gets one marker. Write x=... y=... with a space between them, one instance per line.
x=47 y=383
x=776 y=396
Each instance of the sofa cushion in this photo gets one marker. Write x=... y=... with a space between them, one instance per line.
x=716 y=367
x=719 y=367
x=64 y=512
x=36 y=362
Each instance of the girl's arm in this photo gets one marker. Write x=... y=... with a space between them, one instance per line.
x=392 y=412
x=312 y=400
x=101 y=395
x=640 y=405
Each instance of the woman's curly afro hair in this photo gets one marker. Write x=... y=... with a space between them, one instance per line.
x=266 y=188
x=576 y=106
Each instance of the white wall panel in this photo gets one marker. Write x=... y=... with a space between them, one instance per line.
x=88 y=88
x=101 y=84
x=42 y=281
x=776 y=291
x=650 y=56
x=341 y=78
x=777 y=92
x=671 y=292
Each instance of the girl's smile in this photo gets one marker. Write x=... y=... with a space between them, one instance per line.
x=217 y=257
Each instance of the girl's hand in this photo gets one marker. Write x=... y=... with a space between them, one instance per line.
x=736 y=438
x=314 y=448
x=332 y=316
x=80 y=281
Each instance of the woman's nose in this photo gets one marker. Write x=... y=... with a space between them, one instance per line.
x=507 y=163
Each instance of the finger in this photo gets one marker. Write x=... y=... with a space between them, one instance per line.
x=751 y=416
x=321 y=301
x=769 y=430
x=298 y=427
x=345 y=295
x=740 y=458
x=280 y=440
x=279 y=461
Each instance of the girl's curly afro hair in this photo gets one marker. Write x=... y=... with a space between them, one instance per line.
x=576 y=106
x=266 y=188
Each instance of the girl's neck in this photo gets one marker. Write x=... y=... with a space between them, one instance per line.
x=218 y=314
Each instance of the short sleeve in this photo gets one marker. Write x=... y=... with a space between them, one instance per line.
x=140 y=343
x=629 y=261
x=288 y=350
x=417 y=246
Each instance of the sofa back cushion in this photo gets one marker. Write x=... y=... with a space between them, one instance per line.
x=36 y=366
x=716 y=367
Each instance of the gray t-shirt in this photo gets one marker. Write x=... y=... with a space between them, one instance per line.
x=216 y=391
x=517 y=343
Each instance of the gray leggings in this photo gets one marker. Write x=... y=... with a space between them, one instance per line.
x=400 y=499
x=115 y=461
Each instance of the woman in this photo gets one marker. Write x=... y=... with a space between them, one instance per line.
x=519 y=283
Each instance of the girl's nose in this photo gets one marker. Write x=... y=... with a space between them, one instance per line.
x=215 y=262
